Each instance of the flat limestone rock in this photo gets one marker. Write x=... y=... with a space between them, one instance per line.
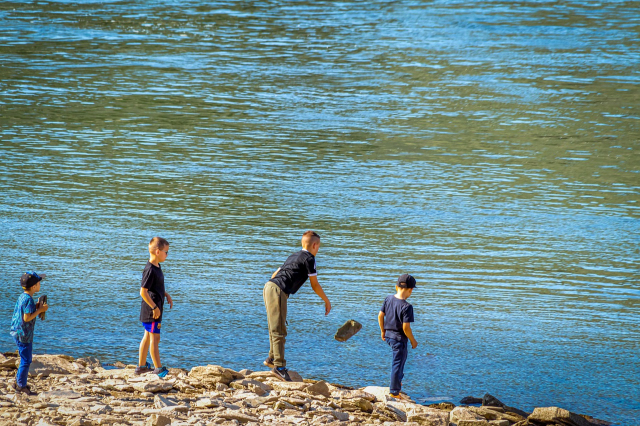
x=319 y=388
x=381 y=393
x=59 y=394
x=52 y=364
x=463 y=413
x=557 y=415
x=347 y=331
x=210 y=375
x=254 y=386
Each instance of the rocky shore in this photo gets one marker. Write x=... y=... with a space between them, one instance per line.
x=79 y=392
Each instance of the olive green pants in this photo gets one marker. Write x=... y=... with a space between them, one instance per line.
x=275 y=300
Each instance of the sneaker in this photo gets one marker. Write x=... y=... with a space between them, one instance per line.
x=25 y=390
x=269 y=362
x=282 y=373
x=144 y=369
x=401 y=396
x=161 y=372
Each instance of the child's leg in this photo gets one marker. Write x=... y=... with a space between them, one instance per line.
x=144 y=349
x=399 y=358
x=266 y=305
x=155 y=349
x=26 y=355
x=276 y=303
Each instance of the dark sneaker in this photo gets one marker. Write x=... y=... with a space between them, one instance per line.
x=144 y=369
x=161 y=372
x=282 y=373
x=25 y=390
x=269 y=362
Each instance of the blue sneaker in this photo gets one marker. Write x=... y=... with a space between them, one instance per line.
x=161 y=372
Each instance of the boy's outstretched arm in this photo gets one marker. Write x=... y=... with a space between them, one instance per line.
x=406 y=327
x=320 y=292
x=381 y=323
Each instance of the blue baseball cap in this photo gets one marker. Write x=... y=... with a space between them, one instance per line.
x=29 y=279
x=406 y=281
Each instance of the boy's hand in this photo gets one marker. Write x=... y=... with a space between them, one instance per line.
x=382 y=336
x=414 y=344
x=327 y=307
x=170 y=300
x=43 y=308
x=156 y=313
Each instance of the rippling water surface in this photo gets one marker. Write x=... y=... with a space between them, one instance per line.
x=490 y=148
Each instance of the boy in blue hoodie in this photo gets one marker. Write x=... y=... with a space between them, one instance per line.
x=23 y=324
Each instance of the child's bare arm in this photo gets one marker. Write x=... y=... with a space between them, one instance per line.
x=406 y=327
x=30 y=317
x=381 y=323
x=144 y=293
x=275 y=273
x=320 y=292
x=169 y=299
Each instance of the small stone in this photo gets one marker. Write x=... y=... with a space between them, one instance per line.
x=348 y=330
x=319 y=388
x=158 y=420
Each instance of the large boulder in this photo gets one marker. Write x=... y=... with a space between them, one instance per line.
x=347 y=331
x=554 y=415
x=210 y=375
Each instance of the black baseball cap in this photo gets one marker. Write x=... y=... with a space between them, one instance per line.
x=29 y=279
x=406 y=281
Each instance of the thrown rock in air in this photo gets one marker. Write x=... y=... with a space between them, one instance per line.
x=347 y=331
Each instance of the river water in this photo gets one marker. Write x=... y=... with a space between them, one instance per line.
x=490 y=148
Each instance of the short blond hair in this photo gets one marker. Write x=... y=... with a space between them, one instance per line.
x=310 y=237
x=157 y=243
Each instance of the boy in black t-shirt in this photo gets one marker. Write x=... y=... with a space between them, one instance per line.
x=285 y=281
x=153 y=294
x=395 y=320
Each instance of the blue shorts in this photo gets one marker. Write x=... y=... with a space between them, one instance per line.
x=152 y=327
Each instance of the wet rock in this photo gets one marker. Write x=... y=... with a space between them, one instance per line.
x=347 y=331
x=491 y=400
x=471 y=400
x=552 y=415
x=319 y=388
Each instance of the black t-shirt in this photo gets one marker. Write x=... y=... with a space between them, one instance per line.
x=295 y=271
x=396 y=312
x=152 y=280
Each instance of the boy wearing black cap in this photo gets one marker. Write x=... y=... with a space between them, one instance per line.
x=284 y=282
x=395 y=320
x=23 y=324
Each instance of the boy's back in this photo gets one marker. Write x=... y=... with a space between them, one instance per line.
x=397 y=311
x=295 y=271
